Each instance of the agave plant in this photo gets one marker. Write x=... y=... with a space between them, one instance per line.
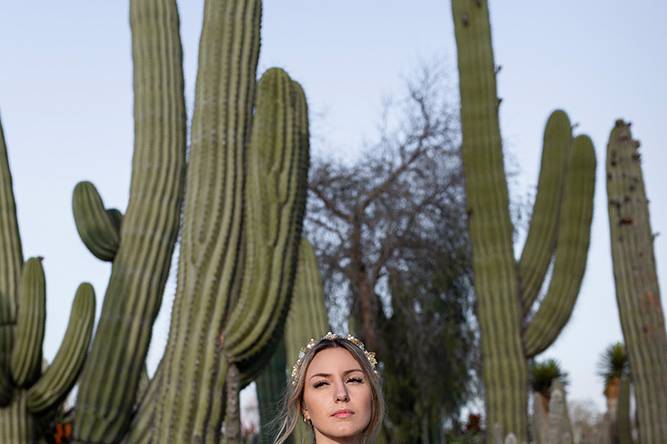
x=544 y=373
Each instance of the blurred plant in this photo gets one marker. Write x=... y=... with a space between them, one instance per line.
x=544 y=373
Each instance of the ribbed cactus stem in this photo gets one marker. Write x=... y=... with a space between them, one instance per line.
x=271 y=384
x=16 y=426
x=308 y=315
x=98 y=228
x=61 y=375
x=276 y=195
x=574 y=222
x=559 y=428
x=505 y=370
x=623 y=415
x=141 y=265
x=635 y=276
x=542 y=235
x=26 y=363
x=275 y=203
x=307 y=319
x=11 y=261
x=190 y=400
x=559 y=231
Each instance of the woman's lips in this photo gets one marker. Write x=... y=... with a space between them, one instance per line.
x=343 y=413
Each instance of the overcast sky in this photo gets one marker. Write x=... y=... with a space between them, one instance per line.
x=66 y=108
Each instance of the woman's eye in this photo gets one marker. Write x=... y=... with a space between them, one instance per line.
x=356 y=380
x=319 y=384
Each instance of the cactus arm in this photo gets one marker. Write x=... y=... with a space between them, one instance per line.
x=99 y=230
x=571 y=250
x=190 y=399
x=61 y=375
x=542 y=234
x=109 y=380
x=636 y=282
x=496 y=285
x=26 y=360
x=11 y=261
x=276 y=195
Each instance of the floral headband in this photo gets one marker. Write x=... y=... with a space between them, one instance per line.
x=370 y=356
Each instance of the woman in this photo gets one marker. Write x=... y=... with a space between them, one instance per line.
x=336 y=390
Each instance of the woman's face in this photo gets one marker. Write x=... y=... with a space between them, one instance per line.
x=336 y=397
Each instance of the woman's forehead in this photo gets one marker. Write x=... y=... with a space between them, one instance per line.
x=332 y=360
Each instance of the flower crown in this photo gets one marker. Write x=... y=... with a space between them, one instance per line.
x=370 y=356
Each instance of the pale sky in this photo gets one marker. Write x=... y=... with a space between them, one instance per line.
x=66 y=108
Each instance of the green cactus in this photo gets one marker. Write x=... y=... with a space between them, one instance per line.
x=307 y=319
x=242 y=214
x=623 y=415
x=141 y=257
x=29 y=393
x=635 y=276
x=559 y=230
x=271 y=384
x=308 y=315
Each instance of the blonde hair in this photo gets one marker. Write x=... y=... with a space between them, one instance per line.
x=293 y=399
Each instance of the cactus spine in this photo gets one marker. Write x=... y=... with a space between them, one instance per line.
x=635 y=276
x=559 y=229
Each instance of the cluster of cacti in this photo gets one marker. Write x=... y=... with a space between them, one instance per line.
x=241 y=224
x=30 y=393
x=242 y=218
x=635 y=276
x=559 y=229
x=307 y=319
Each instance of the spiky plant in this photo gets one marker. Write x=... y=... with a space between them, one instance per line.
x=636 y=282
x=307 y=319
x=613 y=364
x=559 y=232
x=31 y=395
x=544 y=373
x=241 y=217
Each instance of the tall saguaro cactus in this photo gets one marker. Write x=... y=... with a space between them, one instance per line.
x=637 y=290
x=241 y=224
x=147 y=234
x=559 y=230
x=30 y=395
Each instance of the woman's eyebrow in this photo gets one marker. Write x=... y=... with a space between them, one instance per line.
x=327 y=375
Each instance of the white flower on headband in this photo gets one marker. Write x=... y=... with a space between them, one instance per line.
x=370 y=356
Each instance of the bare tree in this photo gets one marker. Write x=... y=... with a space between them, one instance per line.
x=390 y=234
x=380 y=212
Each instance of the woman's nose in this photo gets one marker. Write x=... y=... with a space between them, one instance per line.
x=341 y=392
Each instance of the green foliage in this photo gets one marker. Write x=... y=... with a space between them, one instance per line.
x=613 y=363
x=543 y=373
